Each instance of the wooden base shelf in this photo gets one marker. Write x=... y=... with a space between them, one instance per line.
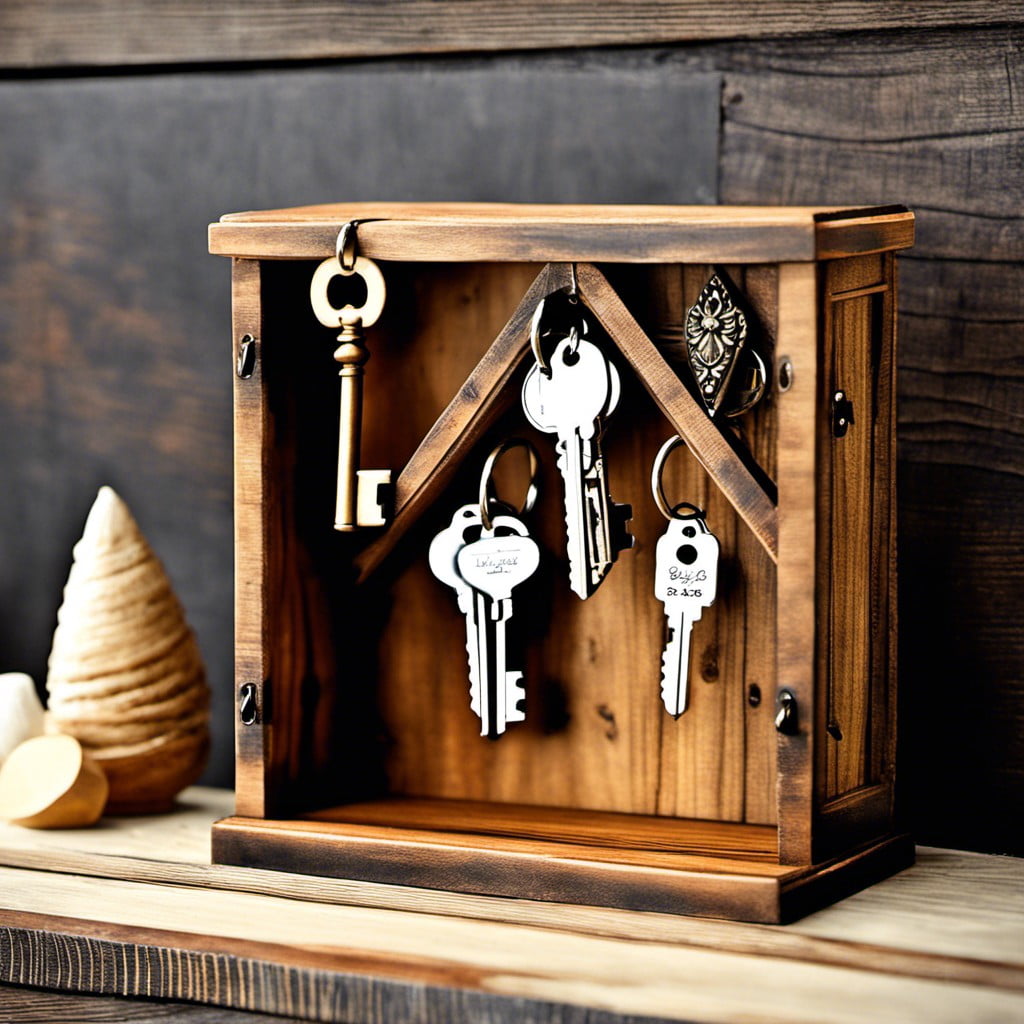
x=703 y=868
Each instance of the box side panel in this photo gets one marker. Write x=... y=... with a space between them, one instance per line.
x=854 y=792
x=252 y=452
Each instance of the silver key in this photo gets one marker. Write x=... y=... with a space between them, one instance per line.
x=493 y=566
x=685 y=579
x=465 y=526
x=583 y=388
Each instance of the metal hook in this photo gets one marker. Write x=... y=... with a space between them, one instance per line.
x=669 y=511
x=576 y=331
x=346 y=247
x=574 y=284
x=538 y=354
x=488 y=496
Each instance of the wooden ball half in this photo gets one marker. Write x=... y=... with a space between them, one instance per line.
x=50 y=782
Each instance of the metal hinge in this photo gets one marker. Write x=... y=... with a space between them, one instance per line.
x=842 y=414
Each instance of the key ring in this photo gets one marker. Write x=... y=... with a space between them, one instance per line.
x=487 y=495
x=670 y=512
x=346 y=247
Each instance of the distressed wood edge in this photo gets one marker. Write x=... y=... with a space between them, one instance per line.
x=846 y=875
x=524 y=242
x=862 y=236
x=704 y=439
x=251 y=427
x=797 y=341
x=106 y=33
x=724 y=891
x=482 y=868
x=261 y=977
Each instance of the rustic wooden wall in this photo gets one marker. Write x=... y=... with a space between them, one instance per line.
x=123 y=129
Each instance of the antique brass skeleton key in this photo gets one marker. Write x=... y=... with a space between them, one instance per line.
x=360 y=500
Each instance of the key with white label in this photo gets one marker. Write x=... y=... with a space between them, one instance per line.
x=465 y=527
x=493 y=566
x=685 y=579
x=570 y=400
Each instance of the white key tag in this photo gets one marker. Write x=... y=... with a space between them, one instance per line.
x=685 y=581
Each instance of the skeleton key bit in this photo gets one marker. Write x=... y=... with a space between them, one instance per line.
x=685 y=580
x=359 y=500
x=570 y=399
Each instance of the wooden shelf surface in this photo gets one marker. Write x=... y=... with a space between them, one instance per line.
x=134 y=907
x=459 y=232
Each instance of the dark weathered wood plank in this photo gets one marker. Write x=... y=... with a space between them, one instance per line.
x=20 y=1005
x=939 y=130
x=103 y=32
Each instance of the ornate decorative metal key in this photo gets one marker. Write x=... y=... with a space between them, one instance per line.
x=685 y=580
x=570 y=396
x=484 y=554
x=716 y=335
x=360 y=500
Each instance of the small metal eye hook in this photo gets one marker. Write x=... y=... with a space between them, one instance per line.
x=487 y=494
x=346 y=247
x=574 y=284
x=670 y=512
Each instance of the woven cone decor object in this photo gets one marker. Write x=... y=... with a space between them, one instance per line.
x=125 y=676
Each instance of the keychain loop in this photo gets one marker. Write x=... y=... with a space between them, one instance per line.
x=487 y=494
x=670 y=512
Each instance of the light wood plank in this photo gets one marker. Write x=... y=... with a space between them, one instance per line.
x=181 y=930
x=953 y=915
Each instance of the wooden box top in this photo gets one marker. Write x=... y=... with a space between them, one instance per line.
x=473 y=232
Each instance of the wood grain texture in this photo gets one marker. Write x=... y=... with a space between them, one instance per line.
x=884 y=924
x=241 y=950
x=253 y=442
x=477 y=404
x=101 y=32
x=798 y=467
x=715 y=451
x=21 y=1005
x=539 y=232
x=591 y=741
x=939 y=131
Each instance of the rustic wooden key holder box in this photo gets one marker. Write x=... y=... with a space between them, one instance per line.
x=358 y=756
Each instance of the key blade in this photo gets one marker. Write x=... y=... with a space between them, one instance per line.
x=575 y=523
x=480 y=682
x=675 y=664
